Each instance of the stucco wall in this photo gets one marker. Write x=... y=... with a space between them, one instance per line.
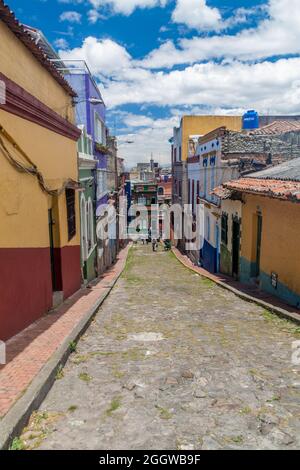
x=280 y=241
x=19 y=65
x=201 y=125
x=23 y=205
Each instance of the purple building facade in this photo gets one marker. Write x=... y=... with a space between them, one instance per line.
x=91 y=111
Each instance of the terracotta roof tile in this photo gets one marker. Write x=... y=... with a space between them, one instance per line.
x=278 y=127
x=279 y=189
x=222 y=192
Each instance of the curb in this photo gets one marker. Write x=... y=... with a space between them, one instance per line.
x=280 y=312
x=17 y=417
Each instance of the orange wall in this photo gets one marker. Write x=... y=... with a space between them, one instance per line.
x=280 y=237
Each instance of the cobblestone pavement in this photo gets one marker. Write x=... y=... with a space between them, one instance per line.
x=173 y=361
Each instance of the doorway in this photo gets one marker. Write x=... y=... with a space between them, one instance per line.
x=52 y=255
x=258 y=246
x=236 y=238
x=55 y=252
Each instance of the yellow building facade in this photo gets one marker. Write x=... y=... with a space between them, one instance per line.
x=39 y=210
x=265 y=206
x=202 y=125
x=275 y=225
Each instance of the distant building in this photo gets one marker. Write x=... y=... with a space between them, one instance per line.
x=145 y=194
x=145 y=171
x=191 y=126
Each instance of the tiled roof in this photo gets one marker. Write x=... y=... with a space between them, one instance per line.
x=222 y=192
x=279 y=189
x=278 y=127
x=289 y=170
x=18 y=30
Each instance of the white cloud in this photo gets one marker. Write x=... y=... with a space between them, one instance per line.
x=105 y=57
x=151 y=136
x=94 y=16
x=279 y=34
x=127 y=7
x=197 y=14
x=266 y=86
x=242 y=78
x=61 y=43
x=71 y=16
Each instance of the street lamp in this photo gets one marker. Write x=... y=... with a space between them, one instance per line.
x=93 y=101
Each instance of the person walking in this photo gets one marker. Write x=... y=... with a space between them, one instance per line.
x=154 y=244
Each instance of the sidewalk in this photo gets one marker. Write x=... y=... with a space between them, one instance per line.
x=29 y=351
x=245 y=291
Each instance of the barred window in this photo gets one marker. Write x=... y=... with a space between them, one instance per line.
x=71 y=213
x=224 y=234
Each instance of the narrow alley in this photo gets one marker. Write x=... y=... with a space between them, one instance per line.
x=169 y=368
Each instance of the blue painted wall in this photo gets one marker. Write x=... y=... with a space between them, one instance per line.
x=247 y=270
x=209 y=257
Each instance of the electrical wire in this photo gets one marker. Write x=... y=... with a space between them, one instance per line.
x=32 y=169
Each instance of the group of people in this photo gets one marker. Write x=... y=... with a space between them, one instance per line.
x=154 y=241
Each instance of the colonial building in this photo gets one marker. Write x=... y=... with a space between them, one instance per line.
x=145 y=194
x=261 y=229
x=223 y=155
x=39 y=205
x=91 y=114
x=206 y=170
x=192 y=127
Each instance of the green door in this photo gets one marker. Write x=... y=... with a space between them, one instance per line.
x=258 y=245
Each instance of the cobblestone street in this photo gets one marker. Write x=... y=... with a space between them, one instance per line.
x=172 y=361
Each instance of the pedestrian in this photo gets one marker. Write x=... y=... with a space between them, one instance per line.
x=154 y=244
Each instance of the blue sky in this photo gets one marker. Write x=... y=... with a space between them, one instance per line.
x=155 y=60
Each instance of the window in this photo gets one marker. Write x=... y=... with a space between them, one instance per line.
x=100 y=130
x=212 y=179
x=205 y=183
x=142 y=200
x=160 y=191
x=193 y=196
x=71 y=214
x=83 y=218
x=85 y=143
x=101 y=183
x=90 y=225
x=224 y=225
x=207 y=228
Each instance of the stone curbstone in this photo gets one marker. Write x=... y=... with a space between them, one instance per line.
x=272 y=308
